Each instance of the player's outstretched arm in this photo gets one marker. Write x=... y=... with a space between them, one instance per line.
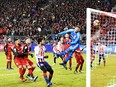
x=65 y=32
x=62 y=33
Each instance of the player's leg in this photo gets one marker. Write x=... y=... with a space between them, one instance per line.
x=70 y=61
x=31 y=68
x=10 y=62
x=92 y=59
x=99 y=59
x=70 y=64
x=44 y=69
x=82 y=61
x=20 y=67
x=104 y=59
x=50 y=70
x=77 y=57
x=66 y=60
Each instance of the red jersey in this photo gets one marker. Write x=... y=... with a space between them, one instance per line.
x=66 y=41
x=8 y=47
x=17 y=51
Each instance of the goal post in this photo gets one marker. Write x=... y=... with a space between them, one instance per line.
x=101 y=26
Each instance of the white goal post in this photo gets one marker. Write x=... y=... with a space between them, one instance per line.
x=96 y=33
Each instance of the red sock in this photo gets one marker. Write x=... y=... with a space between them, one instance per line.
x=104 y=63
x=33 y=68
x=77 y=66
x=7 y=64
x=24 y=71
x=70 y=63
x=31 y=72
x=10 y=64
x=21 y=73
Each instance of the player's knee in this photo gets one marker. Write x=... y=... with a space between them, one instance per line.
x=33 y=66
x=20 y=66
x=24 y=66
x=51 y=71
x=29 y=67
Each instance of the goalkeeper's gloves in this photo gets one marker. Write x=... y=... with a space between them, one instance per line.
x=45 y=56
x=31 y=55
x=55 y=36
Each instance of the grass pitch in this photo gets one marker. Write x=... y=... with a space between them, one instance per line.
x=103 y=76
x=61 y=78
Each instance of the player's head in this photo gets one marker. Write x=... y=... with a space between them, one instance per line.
x=61 y=38
x=40 y=41
x=9 y=39
x=77 y=28
x=54 y=44
x=17 y=41
x=27 y=40
x=66 y=36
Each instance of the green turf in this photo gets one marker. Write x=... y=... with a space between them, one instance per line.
x=101 y=76
x=61 y=78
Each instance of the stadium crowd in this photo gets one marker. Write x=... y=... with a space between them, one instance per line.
x=26 y=18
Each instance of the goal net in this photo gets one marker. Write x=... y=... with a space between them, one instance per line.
x=101 y=28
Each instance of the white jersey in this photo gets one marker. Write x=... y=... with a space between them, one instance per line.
x=39 y=52
x=60 y=46
x=55 y=49
x=101 y=49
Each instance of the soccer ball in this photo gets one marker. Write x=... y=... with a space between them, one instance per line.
x=96 y=23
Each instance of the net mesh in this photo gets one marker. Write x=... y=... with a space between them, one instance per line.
x=105 y=31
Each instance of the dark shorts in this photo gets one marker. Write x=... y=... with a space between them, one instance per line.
x=101 y=56
x=44 y=66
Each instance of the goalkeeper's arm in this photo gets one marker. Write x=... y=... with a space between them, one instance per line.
x=62 y=33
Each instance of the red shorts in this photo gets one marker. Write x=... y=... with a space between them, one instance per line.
x=79 y=58
x=27 y=62
x=9 y=56
x=18 y=61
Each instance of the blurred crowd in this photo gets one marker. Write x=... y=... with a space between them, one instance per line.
x=31 y=17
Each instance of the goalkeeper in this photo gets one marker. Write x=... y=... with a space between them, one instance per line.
x=74 y=44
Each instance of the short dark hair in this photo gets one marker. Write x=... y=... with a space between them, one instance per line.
x=16 y=39
x=39 y=40
x=77 y=26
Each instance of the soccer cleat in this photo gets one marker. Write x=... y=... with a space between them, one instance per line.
x=49 y=84
x=9 y=68
x=81 y=71
x=70 y=68
x=23 y=79
x=64 y=65
x=29 y=77
x=75 y=72
x=98 y=64
x=35 y=78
